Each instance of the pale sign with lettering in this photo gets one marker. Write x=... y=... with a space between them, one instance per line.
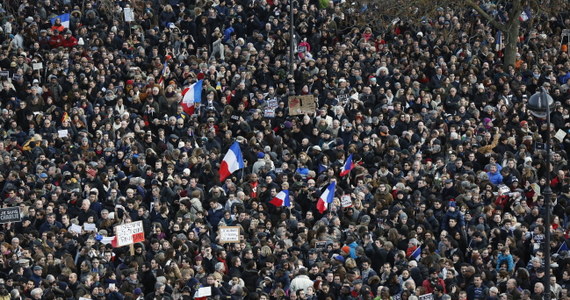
x=426 y=297
x=229 y=234
x=130 y=233
x=129 y=14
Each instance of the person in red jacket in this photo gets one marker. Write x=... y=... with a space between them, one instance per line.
x=69 y=40
x=430 y=283
x=57 y=25
x=56 y=39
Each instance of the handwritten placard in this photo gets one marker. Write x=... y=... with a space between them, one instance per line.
x=229 y=234
x=129 y=14
x=129 y=233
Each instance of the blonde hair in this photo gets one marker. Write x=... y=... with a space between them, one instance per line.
x=266 y=251
x=350 y=263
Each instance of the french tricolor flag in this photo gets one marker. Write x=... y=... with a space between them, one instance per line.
x=163 y=72
x=192 y=95
x=281 y=199
x=232 y=162
x=348 y=165
x=326 y=198
x=416 y=254
x=64 y=20
x=525 y=15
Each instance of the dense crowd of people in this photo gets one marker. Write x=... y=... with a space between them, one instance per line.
x=445 y=200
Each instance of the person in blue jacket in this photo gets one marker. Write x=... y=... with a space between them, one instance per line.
x=505 y=257
x=495 y=176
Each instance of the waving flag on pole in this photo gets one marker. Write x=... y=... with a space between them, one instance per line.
x=165 y=71
x=499 y=45
x=348 y=165
x=326 y=198
x=192 y=95
x=563 y=247
x=64 y=20
x=232 y=162
x=281 y=199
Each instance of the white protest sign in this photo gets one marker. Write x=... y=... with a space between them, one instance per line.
x=129 y=14
x=62 y=133
x=204 y=292
x=129 y=233
x=107 y=240
x=75 y=228
x=89 y=227
x=346 y=201
x=37 y=66
x=560 y=135
x=229 y=234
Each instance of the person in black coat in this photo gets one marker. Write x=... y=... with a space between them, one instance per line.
x=249 y=275
x=159 y=292
x=147 y=279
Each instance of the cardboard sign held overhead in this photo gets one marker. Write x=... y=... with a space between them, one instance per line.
x=300 y=105
x=129 y=14
x=130 y=233
x=229 y=234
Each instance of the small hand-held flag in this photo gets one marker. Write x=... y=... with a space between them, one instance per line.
x=326 y=198
x=525 y=15
x=348 y=165
x=232 y=162
x=163 y=72
x=281 y=199
x=417 y=253
x=192 y=95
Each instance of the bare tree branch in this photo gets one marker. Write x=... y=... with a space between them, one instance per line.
x=485 y=15
x=515 y=11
